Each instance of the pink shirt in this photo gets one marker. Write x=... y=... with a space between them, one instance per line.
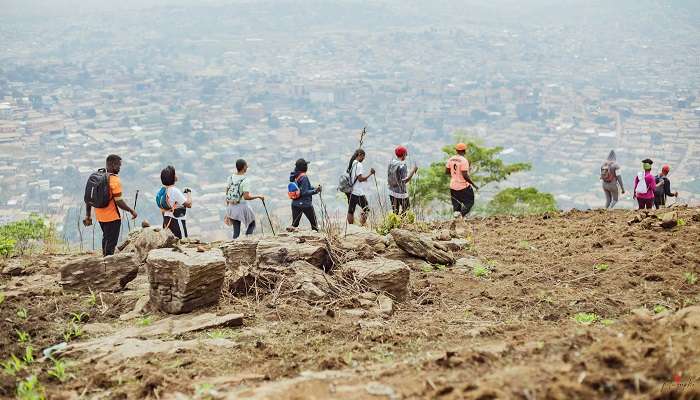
x=457 y=164
x=651 y=186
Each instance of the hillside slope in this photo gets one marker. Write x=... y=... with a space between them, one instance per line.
x=511 y=333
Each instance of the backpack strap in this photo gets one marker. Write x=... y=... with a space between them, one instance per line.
x=298 y=178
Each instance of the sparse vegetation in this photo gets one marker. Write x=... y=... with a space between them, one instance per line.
x=72 y=331
x=79 y=317
x=690 y=278
x=28 y=355
x=602 y=267
x=427 y=268
x=680 y=222
x=586 y=318
x=659 y=308
x=219 y=334
x=2 y=298
x=481 y=271
x=22 y=313
x=92 y=299
x=58 y=371
x=17 y=237
x=145 y=321
x=30 y=389
x=22 y=336
x=392 y=221
x=12 y=365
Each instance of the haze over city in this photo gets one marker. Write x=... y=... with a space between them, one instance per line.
x=198 y=84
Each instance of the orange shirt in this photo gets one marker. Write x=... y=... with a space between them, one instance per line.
x=110 y=213
x=457 y=164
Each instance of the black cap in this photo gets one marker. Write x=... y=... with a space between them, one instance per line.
x=301 y=165
x=647 y=161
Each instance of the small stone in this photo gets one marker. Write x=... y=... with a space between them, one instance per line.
x=386 y=305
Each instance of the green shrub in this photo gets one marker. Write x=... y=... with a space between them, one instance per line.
x=586 y=318
x=658 y=309
x=481 y=271
x=690 y=278
x=601 y=267
x=16 y=237
x=58 y=371
x=30 y=389
x=392 y=221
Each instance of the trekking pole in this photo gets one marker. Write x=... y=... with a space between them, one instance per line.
x=80 y=231
x=379 y=195
x=268 y=218
x=136 y=198
x=93 y=237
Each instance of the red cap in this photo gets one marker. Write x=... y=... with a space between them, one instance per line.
x=665 y=168
x=461 y=147
x=400 y=151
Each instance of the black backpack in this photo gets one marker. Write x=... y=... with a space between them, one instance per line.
x=97 y=192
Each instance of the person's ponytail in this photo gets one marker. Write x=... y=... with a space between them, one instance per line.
x=353 y=158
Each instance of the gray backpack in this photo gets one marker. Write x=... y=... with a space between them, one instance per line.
x=233 y=192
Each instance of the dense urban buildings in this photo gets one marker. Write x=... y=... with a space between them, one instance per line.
x=200 y=86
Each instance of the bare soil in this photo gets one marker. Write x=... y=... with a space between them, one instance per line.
x=509 y=334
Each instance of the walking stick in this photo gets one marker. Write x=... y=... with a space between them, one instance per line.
x=136 y=198
x=268 y=219
x=379 y=195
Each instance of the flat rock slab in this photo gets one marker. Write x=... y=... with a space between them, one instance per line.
x=117 y=350
x=240 y=252
x=422 y=247
x=382 y=274
x=31 y=285
x=97 y=273
x=183 y=324
x=185 y=280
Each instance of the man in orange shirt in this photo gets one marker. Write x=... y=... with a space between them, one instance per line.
x=108 y=217
x=461 y=185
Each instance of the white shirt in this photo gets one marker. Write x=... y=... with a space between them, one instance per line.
x=360 y=188
x=175 y=196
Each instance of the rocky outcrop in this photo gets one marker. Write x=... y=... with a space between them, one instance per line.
x=241 y=252
x=381 y=274
x=357 y=237
x=97 y=273
x=298 y=277
x=184 y=280
x=422 y=247
x=285 y=250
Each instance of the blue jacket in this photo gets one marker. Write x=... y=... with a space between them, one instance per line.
x=307 y=191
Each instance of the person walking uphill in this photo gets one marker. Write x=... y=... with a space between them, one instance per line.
x=301 y=193
x=398 y=178
x=644 y=186
x=104 y=193
x=663 y=187
x=611 y=179
x=173 y=203
x=238 y=211
x=461 y=185
x=359 y=187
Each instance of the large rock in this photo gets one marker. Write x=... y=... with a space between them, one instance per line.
x=241 y=252
x=286 y=250
x=357 y=236
x=107 y=274
x=382 y=274
x=422 y=247
x=183 y=280
x=298 y=277
x=141 y=241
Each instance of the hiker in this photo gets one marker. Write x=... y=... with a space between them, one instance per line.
x=359 y=187
x=301 y=193
x=106 y=185
x=461 y=185
x=644 y=186
x=238 y=211
x=173 y=203
x=398 y=178
x=611 y=179
x=663 y=187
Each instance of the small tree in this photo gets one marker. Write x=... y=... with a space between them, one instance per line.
x=517 y=201
x=485 y=168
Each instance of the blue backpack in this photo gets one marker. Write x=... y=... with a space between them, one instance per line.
x=162 y=199
x=293 y=189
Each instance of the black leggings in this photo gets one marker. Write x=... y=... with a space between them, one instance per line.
x=174 y=225
x=237 y=228
x=310 y=215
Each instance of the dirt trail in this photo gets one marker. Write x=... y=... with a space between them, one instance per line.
x=511 y=333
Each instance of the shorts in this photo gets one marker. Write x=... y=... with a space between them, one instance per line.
x=354 y=201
